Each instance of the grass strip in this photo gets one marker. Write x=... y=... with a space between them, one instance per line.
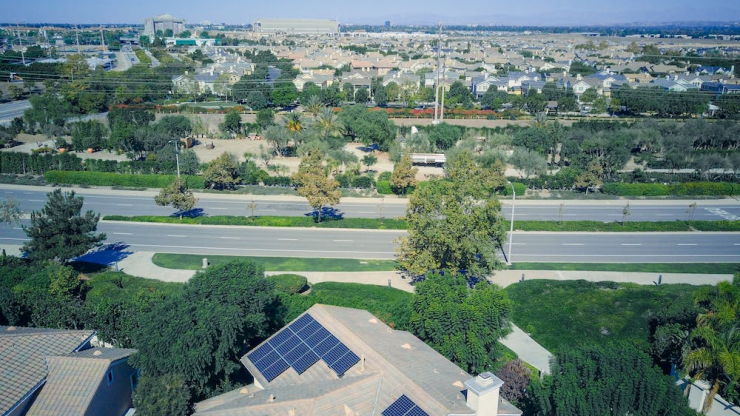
x=293 y=264
x=272 y=221
x=696 y=268
x=398 y=224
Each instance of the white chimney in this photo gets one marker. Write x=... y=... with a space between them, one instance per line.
x=483 y=394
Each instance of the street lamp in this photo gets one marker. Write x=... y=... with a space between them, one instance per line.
x=511 y=231
x=177 y=155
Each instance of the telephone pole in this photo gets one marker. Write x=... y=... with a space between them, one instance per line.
x=77 y=37
x=20 y=41
x=442 y=101
x=436 y=82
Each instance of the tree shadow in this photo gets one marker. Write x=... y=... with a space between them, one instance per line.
x=193 y=213
x=105 y=255
x=327 y=214
x=370 y=148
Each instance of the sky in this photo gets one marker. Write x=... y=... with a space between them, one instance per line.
x=499 y=12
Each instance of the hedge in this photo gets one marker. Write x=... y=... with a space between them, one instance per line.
x=288 y=283
x=118 y=179
x=385 y=176
x=37 y=164
x=364 y=182
x=679 y=189
x=520 y=189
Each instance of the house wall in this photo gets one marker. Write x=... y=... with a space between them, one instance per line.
x=113 y=398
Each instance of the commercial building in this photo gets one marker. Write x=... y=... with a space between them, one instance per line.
x=163 y=22
x=341 y=361
x=297 y=26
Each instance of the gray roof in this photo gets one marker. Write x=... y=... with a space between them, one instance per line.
x=392 y=363
x=73 y=380
x=22 y=358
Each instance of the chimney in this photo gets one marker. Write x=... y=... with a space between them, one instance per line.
x=483 y=394
x=578 y=77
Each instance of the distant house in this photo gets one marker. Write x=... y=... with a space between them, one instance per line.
x=340 y=361
x=57 y=372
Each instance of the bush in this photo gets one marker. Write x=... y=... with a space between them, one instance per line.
x=277 y=181
x=385 y=176
x=288 y=283
x=345 y=180
x=117 y=179
x=364 y=182
x=384 y=188
x=520 y=189
x=680 y=189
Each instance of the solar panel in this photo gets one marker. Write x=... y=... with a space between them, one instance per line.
x=288 y=345
x=280 y=337
x=267 y=360
x=296 y=353
x=318 y=336
x=305 y=362
x=309 y=330
x=345 y=363
x=259 y=353
x=416 y=411
x=277 y=368
x=335 y=354
x=301 y=322
x=400 y=407
x=326 y=345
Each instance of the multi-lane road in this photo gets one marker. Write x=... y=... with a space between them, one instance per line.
x=373 y=244
x=108 y=202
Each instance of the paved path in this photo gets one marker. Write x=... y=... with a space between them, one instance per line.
x=528 y=349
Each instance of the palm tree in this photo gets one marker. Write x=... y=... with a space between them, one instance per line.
x=327 y=121
x=716 y=353
x=314 y=105
x=293 y=122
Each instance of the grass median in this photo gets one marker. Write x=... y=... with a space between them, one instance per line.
x=293 y=264
x=695 y=268
x=400 y=224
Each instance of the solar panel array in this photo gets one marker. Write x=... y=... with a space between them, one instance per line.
x=404 y=407
x=300 y=345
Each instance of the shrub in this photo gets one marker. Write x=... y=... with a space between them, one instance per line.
x=520 y=189
x=117 y=179
x=364 y=182
x=680 y=189
x=277 y=181
x=385 y=176
x=288 y=283
x=345 y=180
x=384 y=187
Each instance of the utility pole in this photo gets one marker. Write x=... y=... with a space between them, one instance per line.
x=436 y=82
x=102 y=40
x=77 y=36
x=442 y=101
x=20 y=41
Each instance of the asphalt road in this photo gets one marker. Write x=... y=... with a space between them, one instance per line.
x=373 y=244
x=13 y=109
x=133 y=203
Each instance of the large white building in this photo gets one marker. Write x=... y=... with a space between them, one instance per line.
x=298 y=26
x=163 y=22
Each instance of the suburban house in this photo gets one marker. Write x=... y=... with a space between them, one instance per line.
x=58 y=372
x=341 y=361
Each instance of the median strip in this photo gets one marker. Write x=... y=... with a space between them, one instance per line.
x=293 y=264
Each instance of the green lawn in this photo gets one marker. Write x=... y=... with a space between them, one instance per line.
x=555 y=313
x=293 y=264
x=699 y=268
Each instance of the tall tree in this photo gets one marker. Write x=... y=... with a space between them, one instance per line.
x=222 y=172
x=404 y=175
x=327 y=121
x=164 y=395
x=10 y=212
x=177 y=195
x=315 y=185
x=59 y=231
x=232 y=122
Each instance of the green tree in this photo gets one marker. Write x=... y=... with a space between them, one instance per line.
x=381 y=96
x=404 y=175
x=315 y=185
x=361 y=96
x=369 y=160
x=162 y=395
x=10 y=212
x=455 y=224
x=201 y=331
x=189 y=162
x=265 y=118
x=222 y=172
x=327 y=121
x=177 y=195
x=528 y=162
x=368 y=126
x=444 y=135
x=493 y=98
x=310 y=90
x=331 y=96
x=284 y=94
x=59 y=231
x=256 y=100
x=348 y=90
x=76 y=67
x=614 y=379
x=232 y=122
x=589 y=96
x=460 y=323
x=88 y=135
x=458 y=94
x=278 y=137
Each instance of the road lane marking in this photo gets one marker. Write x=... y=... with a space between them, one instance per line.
x=266 y=210
x=35 y=200
x=230 y=238
x=219 y=209
x=343 y=241
x=572 y=244
x=176 y=235
x=123 y=234
x=387 y=253
x=14 y=239
x=685 y=244
x=631 y=244
x=518 y=244
x=287 y=239
x=125 y=205
x=366 y=212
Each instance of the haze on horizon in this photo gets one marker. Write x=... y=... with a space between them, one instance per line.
x=499 y=12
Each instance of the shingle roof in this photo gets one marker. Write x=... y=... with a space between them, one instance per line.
x=393 y=363
x=22 y=358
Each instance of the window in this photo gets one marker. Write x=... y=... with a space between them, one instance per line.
x=109 y=377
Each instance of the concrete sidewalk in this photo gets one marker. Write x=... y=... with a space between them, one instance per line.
x=528 y=349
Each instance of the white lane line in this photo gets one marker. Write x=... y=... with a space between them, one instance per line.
x=35 y=200
x=364 y=253
x=287 y=239
x=518 y=244
x=125 y=205
x=176 y=235
x=14 y=239
x=123 y=234
x=665 y=215
x=20 y=228
x=686 y=244
x=9 y=192
x=230 y=238
x=343 y=241
x=366 y=212
x=218 y=209
x=572 y=244
x=631 y=244
x=28 y=193
x=266 y=210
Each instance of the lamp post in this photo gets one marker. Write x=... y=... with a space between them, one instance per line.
x=511 y=231
x=177 y=155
